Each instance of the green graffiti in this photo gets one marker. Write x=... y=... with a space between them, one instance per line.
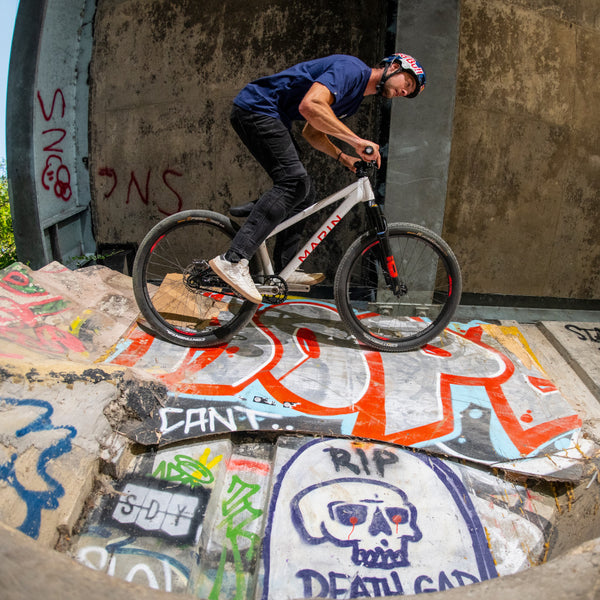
x=187 y=470
x=17 y=281
x=17 y=278
x=49 y=308
x=238 y=513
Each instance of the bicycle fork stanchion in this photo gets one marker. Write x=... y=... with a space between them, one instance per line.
x=378 y=222
x=388 y=263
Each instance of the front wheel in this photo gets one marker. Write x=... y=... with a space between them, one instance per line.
x=176 y=291
x=430 y=288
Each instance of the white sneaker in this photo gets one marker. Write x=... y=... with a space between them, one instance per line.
x=237 y=275
x=302 y=278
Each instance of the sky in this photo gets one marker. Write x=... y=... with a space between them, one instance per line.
x=8 y=12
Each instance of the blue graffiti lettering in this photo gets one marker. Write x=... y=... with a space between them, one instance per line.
x=419 y=582
x=335 y=585
x=36 y=501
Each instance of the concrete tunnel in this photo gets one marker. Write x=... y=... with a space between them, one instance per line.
x=117 y=116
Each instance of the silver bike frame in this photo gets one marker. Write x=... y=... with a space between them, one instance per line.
x=359 y=191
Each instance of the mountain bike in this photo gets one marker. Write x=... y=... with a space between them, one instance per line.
x=396 y=287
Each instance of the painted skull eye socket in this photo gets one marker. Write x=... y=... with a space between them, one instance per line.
x=350 y=514
x=397 y=515
x=357 y=514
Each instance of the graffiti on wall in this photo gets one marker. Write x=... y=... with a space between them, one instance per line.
x=187 y=470
x=353 y=520
x=237 y=514
x=56 y=175
x=512 y=514
x=166 y=497
x=27 y=317
x=125 y=559
x=185 y=519
x=148 y=531
x=339 y=518
x=147 y=506
x=40 y=437
x=296 y=368
x=585 y=334
x=229 y=558
x=139 y=189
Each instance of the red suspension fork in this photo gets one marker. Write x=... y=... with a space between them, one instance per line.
x=379 y=223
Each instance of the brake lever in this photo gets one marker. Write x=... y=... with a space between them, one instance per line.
x=364 y=169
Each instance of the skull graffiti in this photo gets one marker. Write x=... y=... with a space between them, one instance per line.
x=372 y=517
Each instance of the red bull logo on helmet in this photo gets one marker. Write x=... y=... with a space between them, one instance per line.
x=414 y=65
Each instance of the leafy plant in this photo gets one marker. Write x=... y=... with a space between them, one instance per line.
x=8 y=251
x=89 y=259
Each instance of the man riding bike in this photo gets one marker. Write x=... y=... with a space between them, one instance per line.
x=321 y=92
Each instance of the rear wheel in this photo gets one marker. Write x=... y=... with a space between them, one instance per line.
x=430 y=276
x=177 y=293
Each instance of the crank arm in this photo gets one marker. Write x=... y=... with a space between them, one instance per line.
x=267 y=290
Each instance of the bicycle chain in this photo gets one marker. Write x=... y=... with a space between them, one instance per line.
x=199 y=278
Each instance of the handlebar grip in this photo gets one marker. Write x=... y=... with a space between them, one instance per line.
x=369 y=150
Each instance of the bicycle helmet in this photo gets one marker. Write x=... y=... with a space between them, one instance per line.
x=407 y=64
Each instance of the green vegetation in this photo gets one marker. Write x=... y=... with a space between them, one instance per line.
x=89 y=259
x=8 y=252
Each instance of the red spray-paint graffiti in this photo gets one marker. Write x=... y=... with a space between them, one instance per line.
x=55 y=175
x=23 y=306
x=143 y=191
x=468 y=377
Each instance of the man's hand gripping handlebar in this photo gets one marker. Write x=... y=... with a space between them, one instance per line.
x=364 y=168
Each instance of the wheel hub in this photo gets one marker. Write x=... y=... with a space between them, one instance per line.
x=198 y=276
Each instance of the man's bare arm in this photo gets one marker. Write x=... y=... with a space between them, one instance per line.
x=316 y=109
x=317 y=139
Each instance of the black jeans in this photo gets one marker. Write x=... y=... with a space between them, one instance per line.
x=273 y=146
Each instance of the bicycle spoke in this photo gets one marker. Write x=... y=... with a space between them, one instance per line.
x=180 y=296
x=409 y=319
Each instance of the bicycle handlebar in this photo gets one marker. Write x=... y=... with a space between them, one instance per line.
x=364 y=168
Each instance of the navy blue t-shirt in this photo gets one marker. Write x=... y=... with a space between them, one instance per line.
x=279 y=95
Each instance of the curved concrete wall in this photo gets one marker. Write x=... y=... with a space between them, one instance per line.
x=507 y=167
x=160 y=134
x=47 y=130
x=57 y=577
x=522 y=205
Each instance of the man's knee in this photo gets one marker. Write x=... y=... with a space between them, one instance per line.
x=298 y=188
x=288 y=194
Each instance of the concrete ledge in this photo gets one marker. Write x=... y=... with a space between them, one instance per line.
x=576 y=575
x=56 y=575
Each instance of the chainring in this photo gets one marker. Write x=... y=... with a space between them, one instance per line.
x=282 y=289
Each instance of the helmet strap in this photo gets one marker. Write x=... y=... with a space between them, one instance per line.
x=384 y=78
